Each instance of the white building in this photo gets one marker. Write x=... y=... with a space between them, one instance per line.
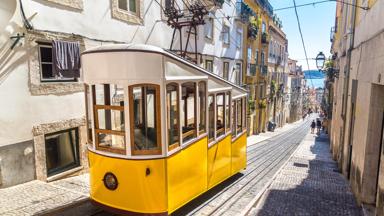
x=42 y=119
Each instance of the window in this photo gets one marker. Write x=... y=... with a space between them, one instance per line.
x=220 y=130
x=257 y=57
x=128 y=5
x=88 y=114
x=188 y=111
x=144 y=111
x=173 y=115
x=263 y=27
x=226 y=34
x=209 y=65
x=66 y=70
x=233 y=118
x=262 y=59
x=211 y=122
x=227 y=111
x=238 y=73
x=239 y=117
x=239 y=39
x=62 y=151
x=225 y=70
x=108 y=100
x=208 y=28
x=203 y=107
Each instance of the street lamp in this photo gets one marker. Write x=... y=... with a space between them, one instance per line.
x=320 y=60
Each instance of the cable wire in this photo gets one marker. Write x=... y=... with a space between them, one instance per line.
x=302 y=41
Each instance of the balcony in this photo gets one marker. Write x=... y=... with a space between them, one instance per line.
x=266 y=6
x=243 y=12
x=264 y=38
x=332 y=35
x=264 y=70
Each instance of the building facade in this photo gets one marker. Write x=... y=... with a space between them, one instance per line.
x=44 y=133
x=358 y=98
x=277 y=61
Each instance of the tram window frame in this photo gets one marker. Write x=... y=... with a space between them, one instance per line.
x=239 y=124
x=157 y=119
x=107 y=107
x=176 y=144
x=88 y=113
x=243 y=108
x=184 y=111
x=211 y=124
x=202 y=107
x=220 y=131
x=227 y=117
x=234 y=120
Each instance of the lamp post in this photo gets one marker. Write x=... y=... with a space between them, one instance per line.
x=320 y=60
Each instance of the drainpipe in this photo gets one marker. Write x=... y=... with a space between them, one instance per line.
x=347 y=75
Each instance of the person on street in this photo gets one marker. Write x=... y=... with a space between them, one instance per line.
x=313 y=125
x=318 y=124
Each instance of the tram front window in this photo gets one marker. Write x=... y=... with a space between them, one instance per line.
x=220 y=115
x=144 y=111
x=108 y=102
x=188 y=112
x=173 y=115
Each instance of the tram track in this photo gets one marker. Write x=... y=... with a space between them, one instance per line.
x=257 y=159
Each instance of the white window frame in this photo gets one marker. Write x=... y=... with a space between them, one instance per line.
x=137 y=3
x=239 y=39
x=210 y=22
x=226 y=33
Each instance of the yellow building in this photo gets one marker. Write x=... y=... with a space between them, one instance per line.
x=255 y=63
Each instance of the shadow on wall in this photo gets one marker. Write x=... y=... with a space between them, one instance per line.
x=310 y=186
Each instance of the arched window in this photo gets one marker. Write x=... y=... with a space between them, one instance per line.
x=173 y=116
x=188 y=111
x=144 y=100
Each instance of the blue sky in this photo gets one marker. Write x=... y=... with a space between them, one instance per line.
x=316 y=22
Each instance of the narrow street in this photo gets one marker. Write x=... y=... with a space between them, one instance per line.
x=232 y=196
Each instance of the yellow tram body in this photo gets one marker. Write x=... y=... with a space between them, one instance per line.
x=159 y=181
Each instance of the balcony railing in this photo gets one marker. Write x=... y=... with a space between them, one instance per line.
x=332 y=36
x=243 y=12
x=264 y=38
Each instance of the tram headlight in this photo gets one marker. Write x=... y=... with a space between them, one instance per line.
x=110 y=181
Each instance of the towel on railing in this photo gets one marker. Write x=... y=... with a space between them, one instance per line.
x=66 y=59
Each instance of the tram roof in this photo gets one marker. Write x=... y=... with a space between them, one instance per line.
x=153 y=49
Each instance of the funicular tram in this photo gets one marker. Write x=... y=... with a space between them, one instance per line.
x=162 y=130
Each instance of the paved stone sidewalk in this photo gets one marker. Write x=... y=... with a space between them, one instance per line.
x=39 y=198
x=264 y=136
x=309 y=184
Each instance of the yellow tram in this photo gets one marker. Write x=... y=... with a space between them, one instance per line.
x=162 y=130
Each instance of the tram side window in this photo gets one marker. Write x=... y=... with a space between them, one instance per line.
x=108 y=100
x=188 y=111
x=227 y=112
x=233 y=118
x=173 y=115
x=239 y=126
x=203 y=107
x=88 y=113
x=211 y=118
x=220 y=115
x=145 y=119
x=243 y=112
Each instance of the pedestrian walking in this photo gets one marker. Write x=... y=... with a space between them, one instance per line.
x=318 y=124
x=313 y=125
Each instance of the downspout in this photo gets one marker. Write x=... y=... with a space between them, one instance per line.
x=347 y=75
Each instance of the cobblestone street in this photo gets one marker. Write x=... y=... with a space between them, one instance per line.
x=309 y=184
